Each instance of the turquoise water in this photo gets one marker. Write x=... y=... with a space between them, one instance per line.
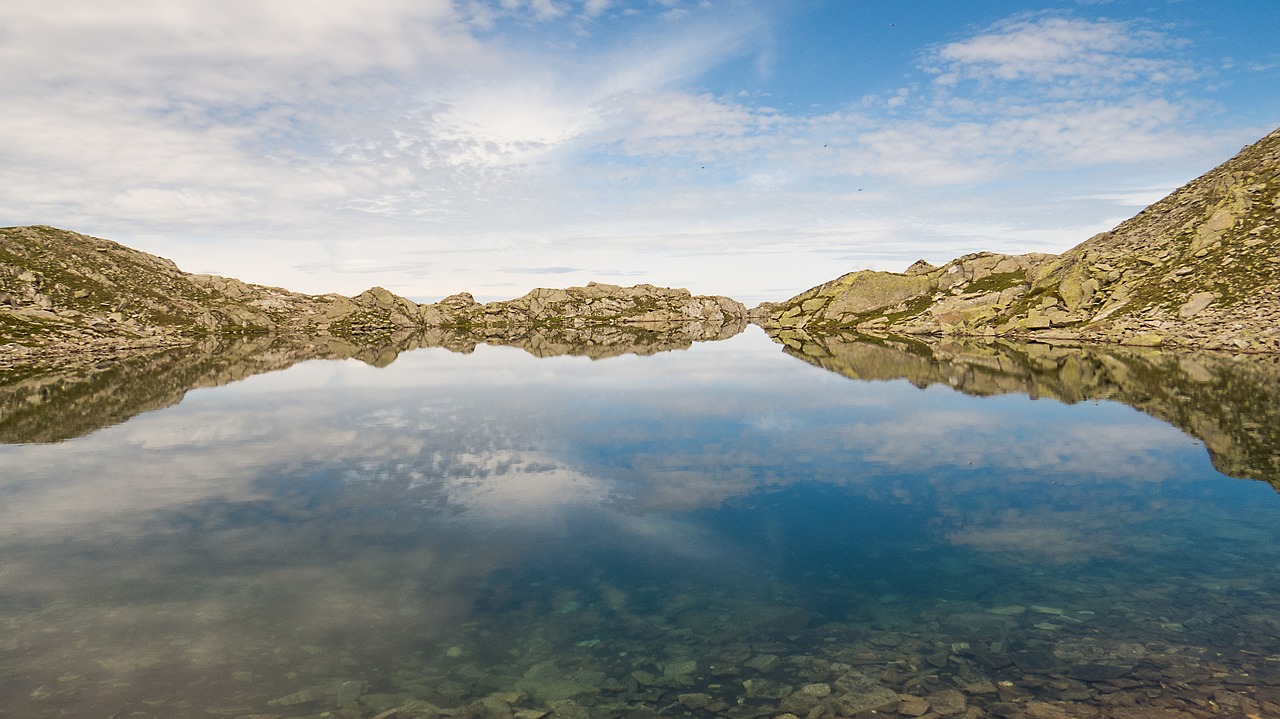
x=720 y=531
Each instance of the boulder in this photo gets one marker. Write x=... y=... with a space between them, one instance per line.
x=868 y=290
x=1196 y=304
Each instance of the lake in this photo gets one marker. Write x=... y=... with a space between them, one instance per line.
x=746 y=528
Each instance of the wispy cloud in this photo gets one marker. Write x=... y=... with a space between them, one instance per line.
x=364 y=266
x=1053 y=91
x=1065 y=92
x=1074 y=53
x=541 y=270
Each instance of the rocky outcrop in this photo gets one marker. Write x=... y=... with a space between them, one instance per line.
x=1198 y=269
x=63 y=293
x=922 y=300
x=67 y=298
x=595 y=305
x=1229 y=401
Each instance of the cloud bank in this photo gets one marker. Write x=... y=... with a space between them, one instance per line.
x=453 y=143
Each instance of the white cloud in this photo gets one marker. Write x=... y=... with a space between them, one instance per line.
x=1047 y=48
x=1045 y=90
x=176 y=113
x=511 y=123
x=957 y=150
x=592 y=8
x=223 y=51
x=677 y=122
x=1081 y=110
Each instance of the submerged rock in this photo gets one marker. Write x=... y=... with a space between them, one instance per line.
x=340 y=692
x=870 y=698
x=947 y=702
x=545 y=682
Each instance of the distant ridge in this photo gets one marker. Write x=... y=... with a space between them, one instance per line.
x=1199 y=268
x=68 y=296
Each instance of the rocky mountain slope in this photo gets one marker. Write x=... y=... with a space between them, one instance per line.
x=65 y=296
x=1199 y=268
x=60 y=288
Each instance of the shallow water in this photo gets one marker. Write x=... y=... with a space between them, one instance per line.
x=724 y=530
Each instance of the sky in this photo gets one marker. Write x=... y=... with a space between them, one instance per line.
x=751 y=148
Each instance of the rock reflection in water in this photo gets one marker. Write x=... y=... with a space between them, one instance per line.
x=724 y=532
x=1229 y=402
x=52 y=404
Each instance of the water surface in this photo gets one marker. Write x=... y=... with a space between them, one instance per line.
x=719 y=531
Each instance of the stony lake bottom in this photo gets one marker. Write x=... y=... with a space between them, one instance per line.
x=722 y=531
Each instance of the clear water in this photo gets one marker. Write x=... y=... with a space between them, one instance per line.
x=720 y=531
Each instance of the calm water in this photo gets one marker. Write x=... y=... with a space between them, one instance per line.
x=724 y=530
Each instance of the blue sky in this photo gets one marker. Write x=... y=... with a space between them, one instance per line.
x=751 y=148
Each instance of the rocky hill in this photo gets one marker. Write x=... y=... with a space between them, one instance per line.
x=65 y=297
x=594 y=305
x=63 y=291
x=1199 y=268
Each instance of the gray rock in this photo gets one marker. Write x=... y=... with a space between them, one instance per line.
x=545 y=682
x=913 y=707
x=694 y=701
x=871 y=698
x=1098 y=672
x=805 y=699
x=764 y=663
x=919 y=267
x=947 y=702
x=765 y=689
x=1196 y=304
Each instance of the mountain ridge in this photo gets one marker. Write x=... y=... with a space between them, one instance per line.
x=1199 y=268
x=67 y=297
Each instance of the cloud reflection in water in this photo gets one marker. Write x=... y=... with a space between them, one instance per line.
x=335 y=515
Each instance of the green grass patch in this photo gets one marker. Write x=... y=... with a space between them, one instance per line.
x=25 y=331
x=914 y=308
x=997 y=282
